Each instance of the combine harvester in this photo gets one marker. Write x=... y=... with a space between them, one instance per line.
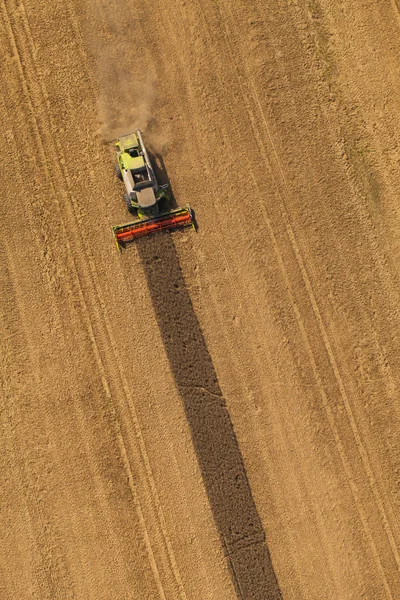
x=144 y=197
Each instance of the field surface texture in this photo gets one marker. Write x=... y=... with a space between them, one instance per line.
x=210 y=415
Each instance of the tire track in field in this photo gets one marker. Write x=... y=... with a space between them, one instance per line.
x=321 y=27
x=40 y=532
x=58 y=323
x=324 y=333
x=46 y=536
x=282 y=187
x=102 y=369
x=338 y=104
x=102 y=316
x=35 y=460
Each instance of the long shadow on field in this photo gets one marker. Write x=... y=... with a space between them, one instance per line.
x=218 y=453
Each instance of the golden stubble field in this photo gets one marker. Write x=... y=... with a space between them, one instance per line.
x=206 y=416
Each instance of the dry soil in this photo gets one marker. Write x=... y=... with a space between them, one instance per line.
x=210 y=415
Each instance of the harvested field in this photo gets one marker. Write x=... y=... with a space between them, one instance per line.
x=206 y=416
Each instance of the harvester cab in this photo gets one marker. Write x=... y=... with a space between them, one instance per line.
x=144 y=197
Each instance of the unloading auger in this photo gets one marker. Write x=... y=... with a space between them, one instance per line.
x=144 y=197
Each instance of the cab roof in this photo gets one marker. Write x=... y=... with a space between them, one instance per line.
x=128 y=141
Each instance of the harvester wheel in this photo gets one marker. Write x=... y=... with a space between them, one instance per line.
x=129 y=204
x=118 y=171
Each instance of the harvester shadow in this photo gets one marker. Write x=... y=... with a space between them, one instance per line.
x=221 y=464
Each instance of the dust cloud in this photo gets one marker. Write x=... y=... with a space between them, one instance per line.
x=127 y=106
x=126 y=90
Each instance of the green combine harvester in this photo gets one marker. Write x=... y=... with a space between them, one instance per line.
x=144 y=197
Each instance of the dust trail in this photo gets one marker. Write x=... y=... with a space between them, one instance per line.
x=127 y=91
x=127 y=107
